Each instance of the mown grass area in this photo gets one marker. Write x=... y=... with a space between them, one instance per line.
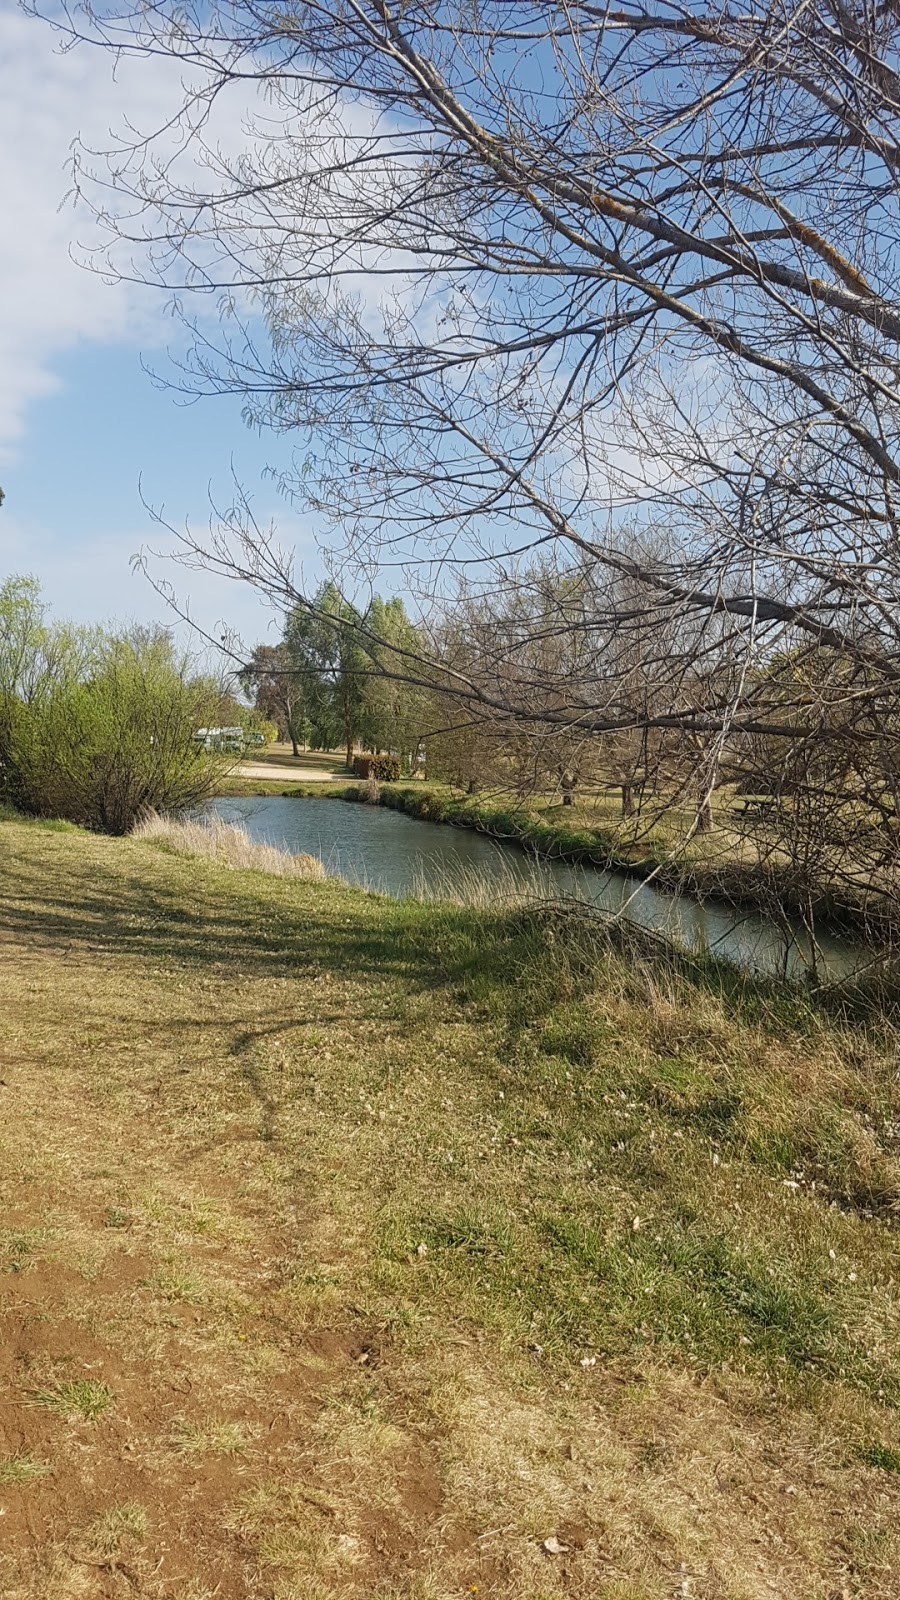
x=355 y=1247
x=233 y=784
x=331 y=763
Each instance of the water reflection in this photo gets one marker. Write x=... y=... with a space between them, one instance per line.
x=393 y=854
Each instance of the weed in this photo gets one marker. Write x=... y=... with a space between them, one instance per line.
x=212 y=1437
x=78 y=1397
x=18 y=1248
x=881 y=1455
x=121 y=1525
x=174 y=1286
x=18 y=1470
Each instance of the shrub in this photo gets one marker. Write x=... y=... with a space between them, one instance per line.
x=384 y=768
x=97 y=727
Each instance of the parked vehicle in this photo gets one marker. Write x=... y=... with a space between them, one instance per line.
x=227 y=739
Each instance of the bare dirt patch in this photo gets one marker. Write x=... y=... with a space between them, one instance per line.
x=273 y=770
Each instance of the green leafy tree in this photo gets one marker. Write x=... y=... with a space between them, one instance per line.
x=324 y=648
x=394 y=712
x=281 y=694
x=99 y=727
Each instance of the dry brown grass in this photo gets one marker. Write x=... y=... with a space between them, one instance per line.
x=335 y=1198
x=228 y=845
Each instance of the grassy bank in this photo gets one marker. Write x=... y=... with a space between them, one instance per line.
x=723 y=865
x=355 y=1247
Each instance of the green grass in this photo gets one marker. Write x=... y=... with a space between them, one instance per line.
x=580 y=1234
x=212 y=1437
x=20 y=1247
x=76 y=1397
x=881 y=1456
x=19 y=1470
x=236 y=787
x=8 y=813
x=123 y=1525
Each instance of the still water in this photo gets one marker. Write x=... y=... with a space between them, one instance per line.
x=397 y=855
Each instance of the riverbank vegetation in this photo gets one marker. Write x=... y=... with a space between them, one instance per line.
x=723 y=862
x=213 y=839
x=98 y=725
x=381 y=1249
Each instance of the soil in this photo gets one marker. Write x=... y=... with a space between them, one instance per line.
x=277 y=773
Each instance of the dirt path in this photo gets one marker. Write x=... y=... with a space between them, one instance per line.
x=180 y=1417
x=277 y=772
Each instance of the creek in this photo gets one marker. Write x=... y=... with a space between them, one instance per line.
x=385 y=851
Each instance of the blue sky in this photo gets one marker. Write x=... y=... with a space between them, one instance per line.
x=73 y=513
x=80 y=421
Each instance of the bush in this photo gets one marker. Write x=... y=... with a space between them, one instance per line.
x=385 y=769
x=97 y=727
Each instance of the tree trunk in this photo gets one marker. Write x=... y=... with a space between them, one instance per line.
x=627 y=800
x=294 y=745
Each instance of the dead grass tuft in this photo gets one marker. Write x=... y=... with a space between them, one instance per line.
x=114 y=1530
x=212 y=1437
x=227 y=845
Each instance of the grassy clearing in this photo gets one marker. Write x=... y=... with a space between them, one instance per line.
x=428 y=1252
x=331 y=763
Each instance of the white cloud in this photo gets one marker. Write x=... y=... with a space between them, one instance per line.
x=49 y=97
x=49 y=303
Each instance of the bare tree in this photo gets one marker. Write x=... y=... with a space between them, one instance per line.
x=613 y=283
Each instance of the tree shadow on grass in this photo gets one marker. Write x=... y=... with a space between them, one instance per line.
x=265 y=929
